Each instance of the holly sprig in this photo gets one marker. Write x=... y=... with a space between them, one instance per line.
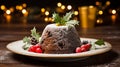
x=27 y=40
x=34 y=34
x=65 y=20
x=99 y=42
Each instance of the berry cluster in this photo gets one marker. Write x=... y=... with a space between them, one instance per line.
x=33 y=41
x=85 y=47
x=35 y=48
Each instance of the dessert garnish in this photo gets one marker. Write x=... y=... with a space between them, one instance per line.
x=86 y=46
x=31 y=40
x=65 y=20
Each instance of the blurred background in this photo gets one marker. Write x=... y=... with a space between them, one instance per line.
x=90 y=13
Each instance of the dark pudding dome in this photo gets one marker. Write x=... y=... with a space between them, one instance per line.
x=59 y=39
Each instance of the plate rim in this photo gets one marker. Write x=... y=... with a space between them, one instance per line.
x=72 y=55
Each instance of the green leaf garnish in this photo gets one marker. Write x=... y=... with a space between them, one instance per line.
x=35 y=34
x=65 y=20
x=100 y=42
x=68 y=16
x=72 y=22
x=26 y=46
x=26 y=40
x=57 y=18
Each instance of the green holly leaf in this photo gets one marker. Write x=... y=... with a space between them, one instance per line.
x=100 y=42
x=65 y=20
x=35 y=34
x=26 y=46
x=26 y=40
x=57 y=18
x=72 y=22
x=68 y=16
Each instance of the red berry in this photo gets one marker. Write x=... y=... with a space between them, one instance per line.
x=83 y=46
x=83 y=49
x=38 y=50
x=86 y=46
x=78 y=50
x=37 y=46
x=32 y=49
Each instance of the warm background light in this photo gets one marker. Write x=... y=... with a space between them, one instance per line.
x=97 y=3
x=24 y=5
x=19 y=7
x=113 y=11
x=63 y=7
x=24 y=11
x=8 y=11
x=75 y=12
x=11 y=9
x=59 y=4
x=46 y=19
x=100 y=12
x=69 y=7
x=3 y=7
x=42 y=9
x=46 y=13
x=99 y=21
x=50 y=19
x=108 y=3
x=91 y=6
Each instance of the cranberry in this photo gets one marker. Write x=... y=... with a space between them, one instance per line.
x=38 y=50
x=32 y=48
x=83 y=48
x=86 y=46
x=78 y=49
x=35 y=48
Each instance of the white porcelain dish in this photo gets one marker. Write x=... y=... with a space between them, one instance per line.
x=16 y=47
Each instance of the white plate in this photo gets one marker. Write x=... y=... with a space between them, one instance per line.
x=16 y=47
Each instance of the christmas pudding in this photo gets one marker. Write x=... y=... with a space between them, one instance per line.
x=58 y=38
x=61 y=37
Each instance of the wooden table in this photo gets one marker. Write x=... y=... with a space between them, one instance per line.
x=13 y=32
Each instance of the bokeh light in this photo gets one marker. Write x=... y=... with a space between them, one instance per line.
x=11 y=9
x=19 y=7
x=46 y=19
x=69 y=7
x=108 y=3
x=8 y=11
x=97 y=3
x=24 y=5
x=24 y=11
x=63 y=7
x=3 y=7
x=42 y=9
x=75 y=12
x=113 y=11
x=59 y=4
x=100 y=12
x=47 y=13
x=99 y=21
